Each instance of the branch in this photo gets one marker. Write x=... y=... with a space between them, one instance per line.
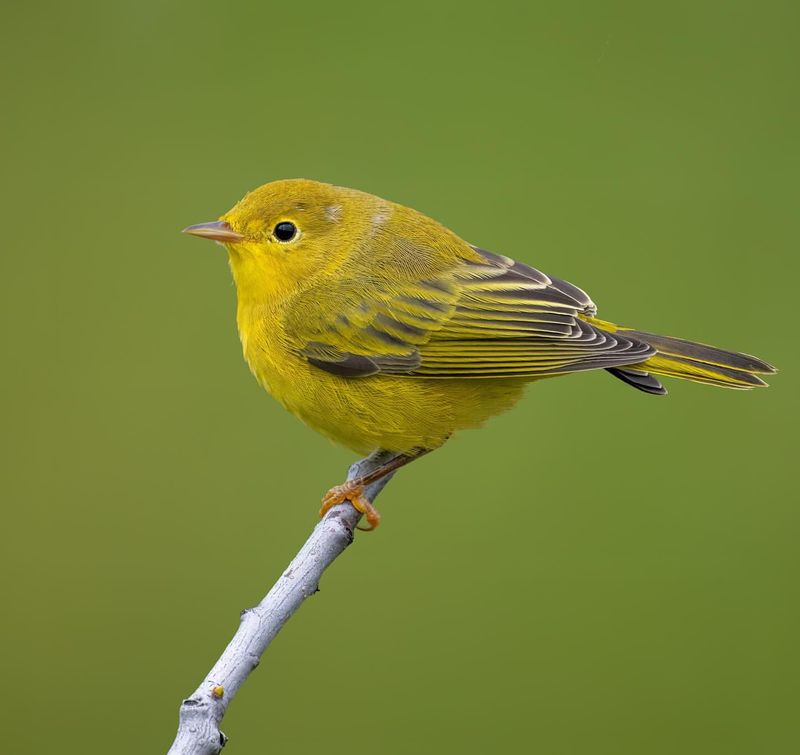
x=201 y=713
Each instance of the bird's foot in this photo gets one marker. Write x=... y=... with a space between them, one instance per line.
x=352 y=491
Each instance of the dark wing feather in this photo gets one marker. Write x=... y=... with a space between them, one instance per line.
x=485 y=317
x=640 y=379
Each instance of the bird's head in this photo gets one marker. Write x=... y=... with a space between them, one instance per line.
x=285 y=234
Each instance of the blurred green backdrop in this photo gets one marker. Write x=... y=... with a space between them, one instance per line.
x=625 y=588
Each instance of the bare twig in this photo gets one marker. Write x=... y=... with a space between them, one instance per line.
x=201 y=713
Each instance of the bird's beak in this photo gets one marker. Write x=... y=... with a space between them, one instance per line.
x=219 y=230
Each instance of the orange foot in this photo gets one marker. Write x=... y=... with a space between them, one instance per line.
x=354 y=492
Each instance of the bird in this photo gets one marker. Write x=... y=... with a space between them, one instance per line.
x=386 y=332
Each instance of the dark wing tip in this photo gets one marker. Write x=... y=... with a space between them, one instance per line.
x=557 y=289
x=640 y=379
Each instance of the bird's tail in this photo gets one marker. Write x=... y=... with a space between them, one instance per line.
x=676 y=357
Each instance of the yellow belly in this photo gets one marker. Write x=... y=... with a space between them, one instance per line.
x=388 y=412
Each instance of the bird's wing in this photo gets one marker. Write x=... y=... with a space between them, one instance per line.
x=483 y=318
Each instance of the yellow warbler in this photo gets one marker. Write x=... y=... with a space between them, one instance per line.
x=383 y=330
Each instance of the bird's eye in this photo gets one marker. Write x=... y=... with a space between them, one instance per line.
x=285 y=231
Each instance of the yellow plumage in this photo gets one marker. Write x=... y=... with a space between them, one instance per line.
x=382 y=329
x=294 y=302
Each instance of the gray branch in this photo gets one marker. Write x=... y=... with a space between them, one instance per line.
x=201 y=713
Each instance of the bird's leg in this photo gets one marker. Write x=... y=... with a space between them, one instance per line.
x=353 y=490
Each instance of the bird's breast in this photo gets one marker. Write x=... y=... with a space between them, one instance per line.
x=381 y=411
x=260 y=333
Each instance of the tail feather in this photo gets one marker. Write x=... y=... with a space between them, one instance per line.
x=640 y=379
x=688 y=360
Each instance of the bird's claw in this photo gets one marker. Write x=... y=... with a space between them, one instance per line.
x=351 y=491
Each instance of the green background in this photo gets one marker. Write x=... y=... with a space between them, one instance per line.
x=598 y=571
